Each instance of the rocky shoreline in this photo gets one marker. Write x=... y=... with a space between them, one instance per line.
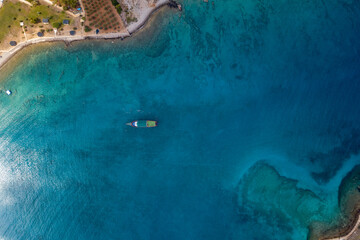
x=349 y=204
x=344 y=233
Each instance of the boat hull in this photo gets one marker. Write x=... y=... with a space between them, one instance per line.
x=143 y=124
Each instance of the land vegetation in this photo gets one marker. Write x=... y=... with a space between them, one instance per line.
x=68 y=4
x=117 y=5
x=12 y=13
x=103 y=15
x=23 y=23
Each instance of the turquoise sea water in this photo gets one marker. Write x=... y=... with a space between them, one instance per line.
x=259 y=121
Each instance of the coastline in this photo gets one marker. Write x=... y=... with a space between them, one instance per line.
x=347 y=233
x=348 y=224
x=131 y=29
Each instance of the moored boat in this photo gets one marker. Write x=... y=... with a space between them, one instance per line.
x=143 y=123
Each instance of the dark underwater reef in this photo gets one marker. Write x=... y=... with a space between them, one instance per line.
x=266 y=195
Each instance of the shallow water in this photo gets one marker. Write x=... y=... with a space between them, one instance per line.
x=231 y=83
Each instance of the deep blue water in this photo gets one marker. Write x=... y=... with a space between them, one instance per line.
x=243 y=91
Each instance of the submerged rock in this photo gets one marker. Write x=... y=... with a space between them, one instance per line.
x=264 y=190
x=265 y=186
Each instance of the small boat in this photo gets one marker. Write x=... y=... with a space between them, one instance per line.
x=143 y=123
x=8 y=92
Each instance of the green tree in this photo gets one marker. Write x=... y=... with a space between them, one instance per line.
x=34 y=20
x=87 y=29
x=70 y=3
x=56 y=24
x=118 y=8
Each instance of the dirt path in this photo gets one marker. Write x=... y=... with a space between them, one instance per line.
x=26 y=2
